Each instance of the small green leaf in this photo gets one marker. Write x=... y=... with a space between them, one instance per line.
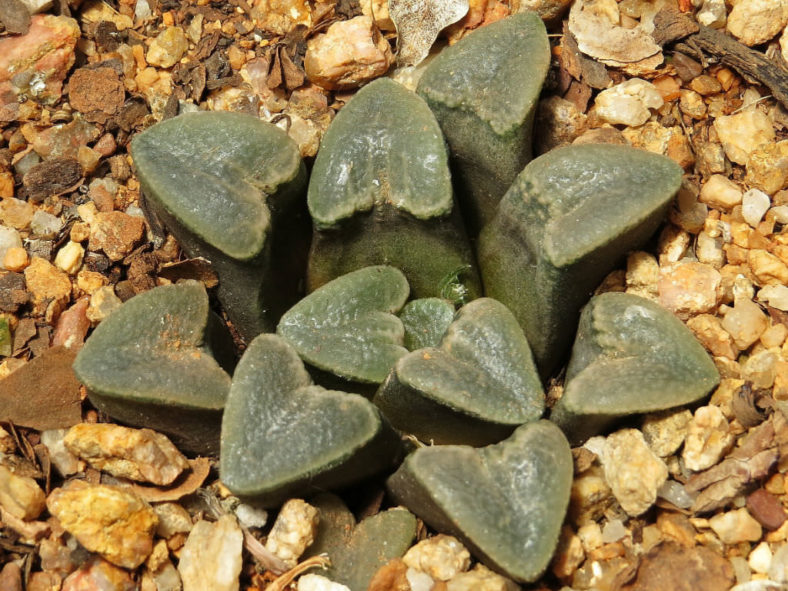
x=425 y=321
x=357 y=551
x=348 y=326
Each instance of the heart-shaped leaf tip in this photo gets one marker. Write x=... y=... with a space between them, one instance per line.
x=283 y=436
x=348 y=326
x=230 y=187
x=381 y=193
x=506 y=502
x=484 y=91
x=149 y=364
x=475 y=389
x=631 y=356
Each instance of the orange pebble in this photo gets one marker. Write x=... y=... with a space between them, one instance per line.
x=16 y=259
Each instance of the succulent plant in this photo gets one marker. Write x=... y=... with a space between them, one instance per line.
x=450 y=366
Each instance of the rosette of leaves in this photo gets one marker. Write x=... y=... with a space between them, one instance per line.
x=231 y=188
x=381 y=193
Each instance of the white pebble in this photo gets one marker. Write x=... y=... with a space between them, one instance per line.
x=312 y=582
x=760 y=559
x=418 y=580
x=293 y=531
x=69 y=258
x=779 y=566
x=613 y=531
x=251 y=516
x=675 y=493
x=708 y=438
x=633 y=472
x=736 y=526
x=595 y=445
x=741 y=570
x=754 y=205
x=721 y=192
x=628 y=103
x=712 y=14
x=142 y=10
x=709 y=250
x=211 y=559
x=45 y=225
x=64 y=461
x=36 y=6
x=440 y=556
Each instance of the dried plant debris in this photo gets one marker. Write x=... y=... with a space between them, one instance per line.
x=418 y=23
x=751 y=461
x=595 y=26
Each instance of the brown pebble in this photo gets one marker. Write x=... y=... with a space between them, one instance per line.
x=13 y=294
x=16 y=18
x=11 y=578
x=106 y=145
x=677 y=527
x=97 y=93
x=116 y=233
x=44 y=393
x=72 y=326
x=766 y=509
x=104 y=200
x=43 y=582
x=99 y=574
x=670 y=566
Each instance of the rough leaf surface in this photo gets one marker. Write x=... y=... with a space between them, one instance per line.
x=348 y=326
